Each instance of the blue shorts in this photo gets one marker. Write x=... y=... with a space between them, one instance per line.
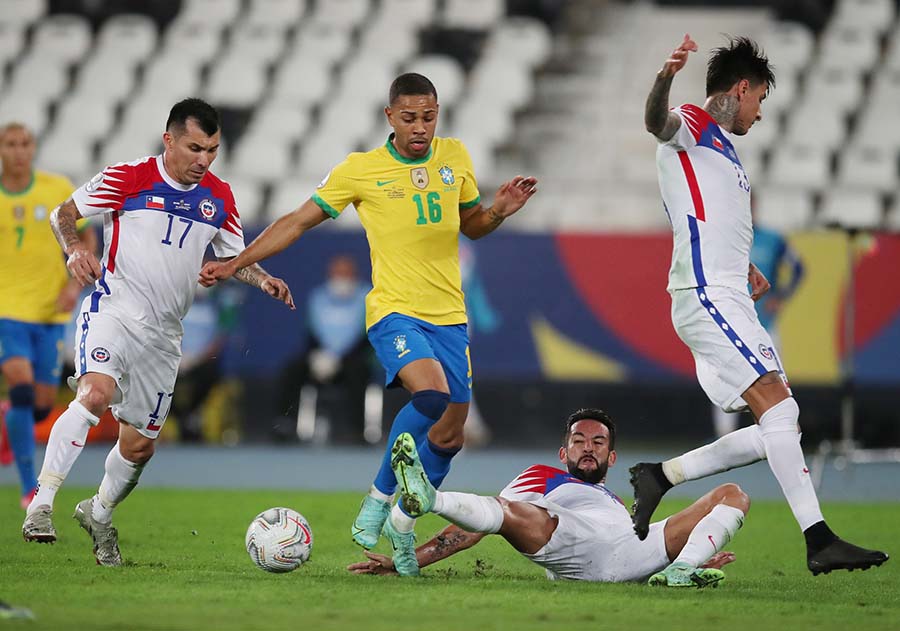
x=41 y=344
x=399 y=340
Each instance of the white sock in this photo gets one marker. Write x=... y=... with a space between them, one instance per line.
x=378 y=495
x=724 y=422
x=63 y=447
x=743 y=447
x=782 y=440
x=401 y=521
x=470 y=512
x=711 y=534
x=120 y=479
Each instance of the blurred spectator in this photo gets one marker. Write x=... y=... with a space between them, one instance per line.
x=328 y=380
x=206 y=328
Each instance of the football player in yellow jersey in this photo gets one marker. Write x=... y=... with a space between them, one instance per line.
x=414 y=195
x=37 y=297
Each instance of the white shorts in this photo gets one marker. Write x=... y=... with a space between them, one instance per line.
x=144 y=373
x=583 y=549
x=731 y=348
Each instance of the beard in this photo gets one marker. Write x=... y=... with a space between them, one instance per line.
x=594 y=475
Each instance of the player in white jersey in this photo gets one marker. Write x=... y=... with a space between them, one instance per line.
x=707 y=197
x=160 y=214
x=569 y=522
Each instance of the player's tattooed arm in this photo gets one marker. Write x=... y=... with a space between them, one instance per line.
x=82 y=262
x=658 y=120
x=253 y=275
x=449 y=541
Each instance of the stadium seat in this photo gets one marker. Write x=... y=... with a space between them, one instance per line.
x=274 y=14
x=105 y=77
x=804 y=166
x=194 y=41
x=875 y=16
x=280 y=119
x=813 y=123
x=789 y=45
x=892 y=219
x=25 y=109
x=129 y=36
x=873 y=168
x=477 y=15
x=169 y=77
x=782 y=98
x=482 y=119
x=502 y=81
x=874 y=129
x=364 y=83
x=261 y=43
x=60 y=152
x=848 y=49
x=413 y=12
x=851 y=208
x=752 y=161
x=320 y=152
x=212 y=13
x=289 y=194
x=892 y=57
x=389 y=45
x=445 y=72
x=62 y=37
x=127 y=145
x=782 y=209
x=522 y=39
x=301 y=81
x=22 y=13
x=885 y=89
x=326 y=44
x=262 y=157
x=837 y=87
x=38 y=77
x=761 y=136
x=342 y=14
x=83 y=119
x=12 y=40
x=248 y=197
x=236 y=81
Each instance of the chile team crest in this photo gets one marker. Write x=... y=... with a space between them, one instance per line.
x=207 y=208
x=100 y=354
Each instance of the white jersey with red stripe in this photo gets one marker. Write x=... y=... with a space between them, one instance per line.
x=707 y=198
x=156 y=232
x=539 y=484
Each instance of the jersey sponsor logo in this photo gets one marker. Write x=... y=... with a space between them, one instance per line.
x=385 y=182
x=40 y=212
x=419 y=177
x=154 y=202
x=446 y=174
x=94 y=183
x=19 y=212
x=180 y=204
x=765 y=352
x=207 y=208
x=100 y=354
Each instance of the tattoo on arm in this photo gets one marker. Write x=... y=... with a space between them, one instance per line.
x=253 y=275
x=447 y=543
x=657 y=118
x=62 y=222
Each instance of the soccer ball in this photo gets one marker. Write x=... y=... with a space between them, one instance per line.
x=279 y=540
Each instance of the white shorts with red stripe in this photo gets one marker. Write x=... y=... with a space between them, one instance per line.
x=144 y=373
x=731 y=348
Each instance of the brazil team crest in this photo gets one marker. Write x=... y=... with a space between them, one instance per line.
x=419 y=177
x=446 y=174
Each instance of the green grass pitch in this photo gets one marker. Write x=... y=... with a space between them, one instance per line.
x=175 y=579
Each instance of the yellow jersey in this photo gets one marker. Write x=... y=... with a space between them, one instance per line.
x=32 y=266
x=410 y=211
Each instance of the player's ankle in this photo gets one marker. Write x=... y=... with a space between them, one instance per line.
x=818 y=536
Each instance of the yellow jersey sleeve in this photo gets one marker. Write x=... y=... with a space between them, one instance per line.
x=340 y=187
x=468 y=193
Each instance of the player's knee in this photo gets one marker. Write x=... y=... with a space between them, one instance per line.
x=431 y=403
x=139 y=452
x=41 y=414
x=22 y=396
x=784 y=416
x=733 y=495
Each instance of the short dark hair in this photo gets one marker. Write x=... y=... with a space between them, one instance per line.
x=742 y=58
x=410 y=83
x=206 y=115
x=593 y=414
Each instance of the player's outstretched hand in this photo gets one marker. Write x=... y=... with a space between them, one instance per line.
x=279 y=290
x=759 y=284
x=214 y=271
x=377 y=564
x=512 y=195
x=83 y=265
x=679 y=57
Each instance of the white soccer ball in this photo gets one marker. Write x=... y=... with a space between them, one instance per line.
x=279 y=540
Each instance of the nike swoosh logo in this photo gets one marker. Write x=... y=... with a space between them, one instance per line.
x=77 y=445
x=384 y=182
